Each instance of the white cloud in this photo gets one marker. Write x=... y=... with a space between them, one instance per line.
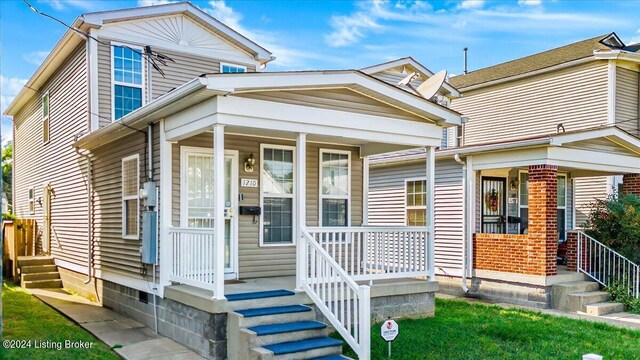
x=9 y=88
x=154 y=2
x=63 y=4
x=35 y=58
x=471 y=4
x=349 y=29
x=529 y=2
x=635 y=39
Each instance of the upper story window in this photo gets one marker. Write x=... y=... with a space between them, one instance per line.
x=231 y=68
x=459 y=135
x=128 y=81
x=335 y=188
x=45 y=118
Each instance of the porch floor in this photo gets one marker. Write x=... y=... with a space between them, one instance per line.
x=203 y=299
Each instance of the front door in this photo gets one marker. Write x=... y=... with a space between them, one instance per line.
x=494 y=219
x=197 y=197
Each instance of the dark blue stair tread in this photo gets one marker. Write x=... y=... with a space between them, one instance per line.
x=273 y=310
x=287 y=327
x=258 y=295
x=302 y=345
x=332 y=357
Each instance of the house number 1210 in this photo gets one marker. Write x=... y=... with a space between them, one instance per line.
x=248 y=182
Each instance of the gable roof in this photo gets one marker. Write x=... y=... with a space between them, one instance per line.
x=70 y=40
x=412 y=64
x=564 y=54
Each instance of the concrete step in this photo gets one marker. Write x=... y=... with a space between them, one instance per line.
x=599 y=309
x=35 y=260
x=255 y=340
x=41 y=276
x=273 y=315
x=560 y=293
x=577 y=301
x=333 y=357
x=294 y=299
x=37 y=269
x=302 y=349
x=41 y=284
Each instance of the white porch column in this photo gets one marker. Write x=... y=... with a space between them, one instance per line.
x=365 y=191
x=166 y=253
x=431 y=175
x=301 y=203
x=218 y=211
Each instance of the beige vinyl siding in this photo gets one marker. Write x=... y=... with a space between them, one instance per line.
x=112 y=253
x=185 y=68
x=387 y=206
x=333 y=99
x=256 y=261
x=575 y=97
x=57 y=162
x=587 y=190
x=627 y=100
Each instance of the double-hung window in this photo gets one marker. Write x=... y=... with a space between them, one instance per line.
x=335 y=188
x=128 y=81
x=416 y=202
x=32 y=197
x=45 y=118
x=130 y=198
x=277 y=194
x=232 y=69
x=562 y=203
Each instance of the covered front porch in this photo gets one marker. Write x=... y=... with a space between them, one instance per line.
x=266 y=181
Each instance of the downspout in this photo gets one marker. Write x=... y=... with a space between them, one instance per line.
x=89 y=213
x=150 y=178
x=464 y=222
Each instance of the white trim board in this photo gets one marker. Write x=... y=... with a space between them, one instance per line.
x=321 y=197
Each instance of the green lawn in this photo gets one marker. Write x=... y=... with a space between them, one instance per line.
x=477 y=331
x=27 y=318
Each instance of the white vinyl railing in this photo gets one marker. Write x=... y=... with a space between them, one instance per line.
x=374 y=253
x=193 y=262
x=606 y=266
x=344 y=303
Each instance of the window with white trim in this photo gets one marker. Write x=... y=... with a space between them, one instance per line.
x=32 y=197
x=335 y=187
x=232 y=69
x=45 y=118
x=561 y=203
x=128 y=81
x=416 y=202
x=277 y=194
x=459 y=135
x=130 y=198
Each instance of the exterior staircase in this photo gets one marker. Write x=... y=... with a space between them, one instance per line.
x=38 y=272
x=584 y=297
x=275 y=325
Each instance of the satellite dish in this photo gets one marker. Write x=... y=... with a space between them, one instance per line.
x=407 y=80
x=430 y=87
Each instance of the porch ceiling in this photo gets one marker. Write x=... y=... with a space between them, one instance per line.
x=601 y=151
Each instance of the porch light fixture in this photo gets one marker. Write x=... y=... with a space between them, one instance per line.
x=249 y=163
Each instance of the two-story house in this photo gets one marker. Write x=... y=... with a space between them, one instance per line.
x=545 y=135
x=215 y=201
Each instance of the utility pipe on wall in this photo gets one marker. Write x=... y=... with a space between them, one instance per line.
x=89 y=214
x=464 y=222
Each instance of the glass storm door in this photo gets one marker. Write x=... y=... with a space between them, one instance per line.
x=197 y=199
x=494 y=219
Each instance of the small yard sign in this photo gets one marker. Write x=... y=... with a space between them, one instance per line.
x=389 y=332
x=249 y=183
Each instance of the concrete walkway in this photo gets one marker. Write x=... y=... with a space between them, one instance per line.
x=623 y=320
x=131 y=339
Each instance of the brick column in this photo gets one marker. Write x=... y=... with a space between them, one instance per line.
x=631 y=184
x=572 y=251
x=543 y=218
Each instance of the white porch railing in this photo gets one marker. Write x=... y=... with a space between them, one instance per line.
x=342 y=301
x=374 y=253
x=193 y=260
x=606 y=266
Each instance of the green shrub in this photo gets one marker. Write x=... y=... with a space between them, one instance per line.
x=9 y=216
x=619 y=293
x=615 y=221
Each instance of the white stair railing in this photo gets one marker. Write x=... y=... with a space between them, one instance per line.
x=344 y=303
x=605 y=265
x=375 y=253
x=193 y=263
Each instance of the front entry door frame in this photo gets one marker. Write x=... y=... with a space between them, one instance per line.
x=499 y=220
x=231 y=210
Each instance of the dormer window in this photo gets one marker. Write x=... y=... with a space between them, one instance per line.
x=232 y=68
x=128 y=80
x=612 y=40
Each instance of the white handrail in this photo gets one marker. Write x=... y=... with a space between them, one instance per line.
x=605 y=265
x=375 y=253
x=193 y=261
x=340 y=299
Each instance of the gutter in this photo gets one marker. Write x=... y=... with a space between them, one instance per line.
x=464 y=223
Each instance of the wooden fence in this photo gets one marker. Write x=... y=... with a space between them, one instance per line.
x=19 y=239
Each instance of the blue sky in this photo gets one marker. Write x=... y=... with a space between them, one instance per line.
x=344 y=34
